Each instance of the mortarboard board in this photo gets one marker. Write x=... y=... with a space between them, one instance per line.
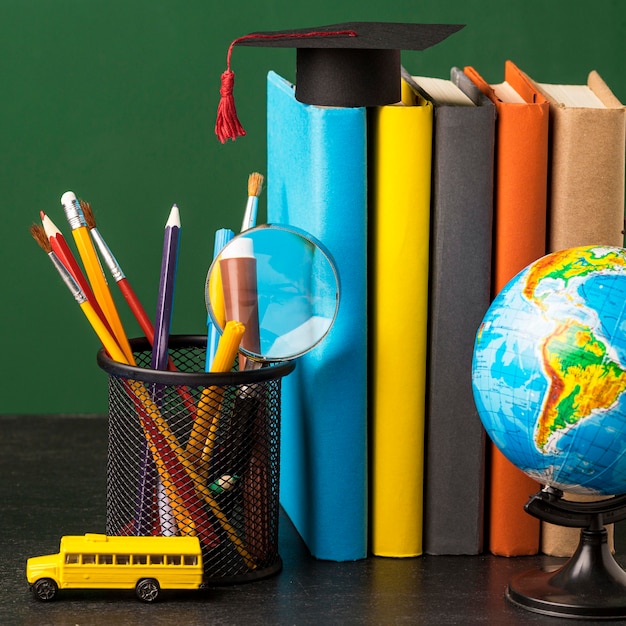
x=349 y=65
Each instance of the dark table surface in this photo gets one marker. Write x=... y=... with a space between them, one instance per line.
x=53 y=483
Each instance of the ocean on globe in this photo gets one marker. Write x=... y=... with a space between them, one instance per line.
x=549 y=370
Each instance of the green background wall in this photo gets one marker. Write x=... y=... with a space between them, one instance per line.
x=116 y=100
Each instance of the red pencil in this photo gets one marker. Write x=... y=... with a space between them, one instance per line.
x=62 y=250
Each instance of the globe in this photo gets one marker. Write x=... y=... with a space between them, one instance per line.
x=549 y=370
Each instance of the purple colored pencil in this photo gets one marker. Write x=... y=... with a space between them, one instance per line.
x=160 y=355
x=165 y=300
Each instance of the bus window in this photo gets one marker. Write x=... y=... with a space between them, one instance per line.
x=156 y=559
x=173 y=559
x=72 y=559
x=190 y=559
x=89 y=559
x=140 y=559
x=122 y=559
x=105 y=559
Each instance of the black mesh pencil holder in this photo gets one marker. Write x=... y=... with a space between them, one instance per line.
x=196 y=453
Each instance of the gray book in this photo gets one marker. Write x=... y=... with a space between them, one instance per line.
x=461 y=218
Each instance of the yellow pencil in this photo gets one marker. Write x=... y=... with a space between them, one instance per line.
x=209 y=405
x=93 y=269
x=228 y=347
x=106 y=338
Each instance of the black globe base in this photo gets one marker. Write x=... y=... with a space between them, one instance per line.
x=591 y=584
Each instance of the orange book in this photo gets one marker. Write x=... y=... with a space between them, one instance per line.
x=519 y=238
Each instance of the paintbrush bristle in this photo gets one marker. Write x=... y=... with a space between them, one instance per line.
x=39 y=235
x=88 y=213
x=255 y=184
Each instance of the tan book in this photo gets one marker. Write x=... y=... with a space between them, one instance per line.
x=586 y=200
x=561 y=541
x=587 y=155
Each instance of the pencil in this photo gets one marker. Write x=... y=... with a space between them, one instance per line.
x=62 y=250
x=202 y=437
x=167 y=282
x=163 y=320
x=76 y=220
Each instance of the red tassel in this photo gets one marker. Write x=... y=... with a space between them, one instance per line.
x=227 y=124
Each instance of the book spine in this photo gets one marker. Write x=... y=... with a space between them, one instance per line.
x=463 y=170
x=317 y=177
x=587 y=145
x=519 y=238
x=400 y=212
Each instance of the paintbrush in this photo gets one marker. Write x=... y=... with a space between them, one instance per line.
x=87 y=252
x=117 y=274
x=106 y=338
x=255 y=185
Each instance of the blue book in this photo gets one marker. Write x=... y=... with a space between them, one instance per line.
x=317 y=181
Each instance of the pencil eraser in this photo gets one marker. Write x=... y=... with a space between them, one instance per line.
x=68 y=197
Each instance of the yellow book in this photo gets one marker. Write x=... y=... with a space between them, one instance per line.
x=400 y=174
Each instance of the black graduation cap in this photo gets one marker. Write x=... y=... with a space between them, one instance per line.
x=349 y=65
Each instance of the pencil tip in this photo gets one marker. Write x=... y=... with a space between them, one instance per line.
x=174 y=218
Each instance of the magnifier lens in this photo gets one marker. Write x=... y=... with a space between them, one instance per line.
x=279 y=280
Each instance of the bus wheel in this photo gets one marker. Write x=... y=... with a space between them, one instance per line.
x=45 y=589
x=147 y=589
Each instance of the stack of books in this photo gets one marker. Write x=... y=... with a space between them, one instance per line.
x=429 y=206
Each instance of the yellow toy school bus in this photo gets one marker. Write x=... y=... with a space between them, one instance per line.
x=94 y=561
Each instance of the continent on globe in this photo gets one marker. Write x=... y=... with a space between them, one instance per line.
x=573 y=263
x=583 y=380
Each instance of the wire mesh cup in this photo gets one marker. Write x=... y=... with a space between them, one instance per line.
x=196 y=453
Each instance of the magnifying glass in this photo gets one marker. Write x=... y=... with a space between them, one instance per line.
x=282 y=284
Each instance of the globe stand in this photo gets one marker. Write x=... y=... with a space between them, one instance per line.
x=591 y=584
